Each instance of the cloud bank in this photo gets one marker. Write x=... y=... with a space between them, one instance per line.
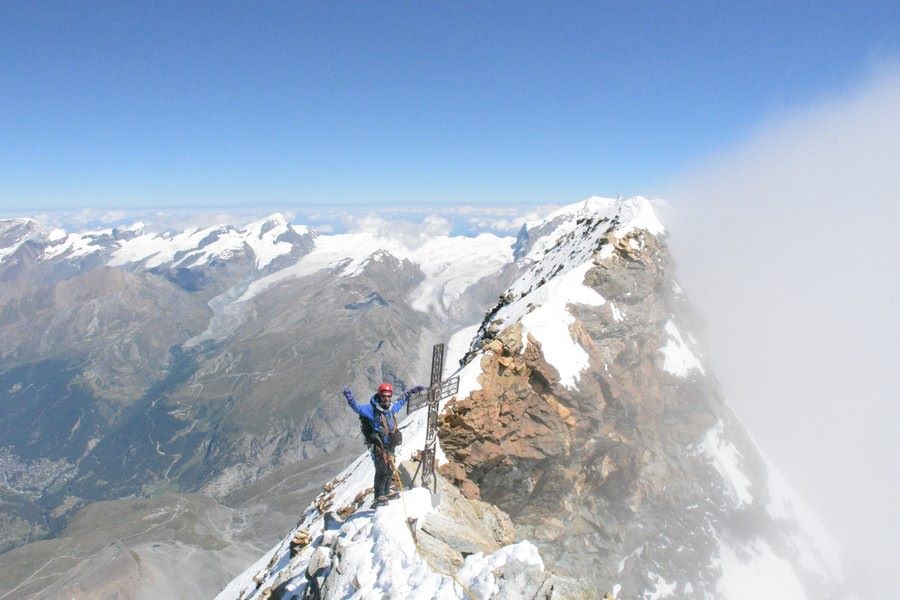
x=411 y=223
x=788 y=247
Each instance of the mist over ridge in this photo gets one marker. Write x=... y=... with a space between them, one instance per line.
x=788 y=246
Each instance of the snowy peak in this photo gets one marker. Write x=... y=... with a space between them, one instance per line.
x=558 y=251
x=636 y=212
x=264 y=241
x=625 y=215
x=14 y=233
x=11 y=229
x=48 y=243
x=572 y=235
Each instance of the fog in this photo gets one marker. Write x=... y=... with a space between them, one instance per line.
x=787 y=245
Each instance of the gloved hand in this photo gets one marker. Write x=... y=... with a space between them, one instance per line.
x=348 y=394
x=416 y=389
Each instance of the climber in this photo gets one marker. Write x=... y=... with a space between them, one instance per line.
x=379 y=424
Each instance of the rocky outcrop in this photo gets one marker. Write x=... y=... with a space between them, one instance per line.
x=461 y=527
x=499 y=437
x=615 y=478
x=422 y=545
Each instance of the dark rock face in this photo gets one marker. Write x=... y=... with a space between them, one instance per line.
x=612 y=479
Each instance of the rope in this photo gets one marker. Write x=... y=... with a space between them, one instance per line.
x=396 y=476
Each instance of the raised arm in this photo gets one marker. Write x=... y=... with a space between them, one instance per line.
x=400 y=403
x=351 y=401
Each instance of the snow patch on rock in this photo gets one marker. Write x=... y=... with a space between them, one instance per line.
x=550 y=320
x=617 y=315
x=678 y=358
x=378 y=556
x=661 y=588
x=478 y=572
x=726 y=459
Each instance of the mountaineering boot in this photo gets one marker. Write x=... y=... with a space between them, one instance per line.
x=381 y=501
x=393 y=494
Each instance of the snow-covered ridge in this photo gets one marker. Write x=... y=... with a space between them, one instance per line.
x=554 y=279
x=633 y=213
x=195 y=247
x=379 y=554
x=266 y=239
x=576 y=231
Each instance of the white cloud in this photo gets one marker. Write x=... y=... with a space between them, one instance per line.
x=178 y=221
x=113 y=216
x=409 y=223
x=154 y=220
x=484 y=224
x=788 y=245
x=412 y=233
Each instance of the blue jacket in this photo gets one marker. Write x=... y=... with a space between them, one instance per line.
x=372 y=412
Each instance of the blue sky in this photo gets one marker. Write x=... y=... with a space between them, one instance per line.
x=187 y=104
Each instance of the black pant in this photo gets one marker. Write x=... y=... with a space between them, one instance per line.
x=383 y=471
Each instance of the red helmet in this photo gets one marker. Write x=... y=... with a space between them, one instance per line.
x=386 y=387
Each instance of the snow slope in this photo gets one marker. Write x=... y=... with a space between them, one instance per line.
x=379 y=557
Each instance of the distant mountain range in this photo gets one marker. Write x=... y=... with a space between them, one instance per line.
x=140 y=369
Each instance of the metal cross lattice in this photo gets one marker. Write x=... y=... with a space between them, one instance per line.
x=436 y=392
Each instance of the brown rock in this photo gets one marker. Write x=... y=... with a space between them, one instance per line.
x=300 y=541
x=455 y=474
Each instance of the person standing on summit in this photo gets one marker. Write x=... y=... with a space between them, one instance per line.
x=379 y=424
